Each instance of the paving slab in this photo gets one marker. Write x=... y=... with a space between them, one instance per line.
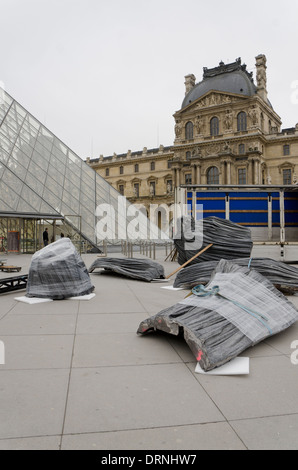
x=32 y=402
x=109 y=323
x=31 y=443
x=36 y=324
x=215 y=436
x=270 y=389
x=269 y=433
x=116 y=349
x=77 y=376
x=56 y=307
x=283 y=342
x=37 y=351
x=134 y=397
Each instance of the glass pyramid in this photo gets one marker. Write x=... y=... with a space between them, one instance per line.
x=40 y=175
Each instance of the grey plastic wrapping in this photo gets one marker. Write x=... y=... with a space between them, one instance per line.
x=283 y=276
x=58 y=272
x=141 y=269
x=216 y=329
x=229 y=240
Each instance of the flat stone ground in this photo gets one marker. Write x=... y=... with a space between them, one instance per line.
x=77 y=376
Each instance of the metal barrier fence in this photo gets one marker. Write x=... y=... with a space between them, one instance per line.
x=146 y=248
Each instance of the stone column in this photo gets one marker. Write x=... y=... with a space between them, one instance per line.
x=204 y=179
x=193 y=174
x=256 y=171
x=198 y=179
x=250 y=179
x=178 y=177
x=228 y=172
x=261 y=76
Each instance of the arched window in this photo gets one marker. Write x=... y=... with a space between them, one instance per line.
x=121 y=170
x=214 y=126
x=241 y=121
x=213 y=175
x=189 y=130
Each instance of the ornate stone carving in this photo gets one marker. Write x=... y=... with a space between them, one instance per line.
x=215 y=99
x=253 y=113
x=212 y=149
x=169 y=188
x=261 y=75
x=228 y=120
x=200 y=124
x=178 y=128
x=226 y=147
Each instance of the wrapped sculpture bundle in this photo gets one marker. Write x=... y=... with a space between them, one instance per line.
x=229 y=240
x=142 y=269
x=58 y=272
x=283 y=276
x=236 y=310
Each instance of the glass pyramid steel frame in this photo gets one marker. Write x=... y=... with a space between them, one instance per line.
x=41 y=177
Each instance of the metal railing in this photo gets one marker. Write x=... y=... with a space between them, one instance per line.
x=146 y=248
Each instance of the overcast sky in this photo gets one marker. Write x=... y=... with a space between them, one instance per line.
x=107 y=76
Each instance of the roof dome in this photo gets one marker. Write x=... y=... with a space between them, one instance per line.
x=230 y=78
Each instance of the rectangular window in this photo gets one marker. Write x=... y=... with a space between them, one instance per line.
x=107 y=171
x=286 y=150
x=136 y=168
x=242 y=176
x=188 y=178
x=169 y=164
x=152 y=166
x=287 y=176
x=121 y=189
x=214 y=126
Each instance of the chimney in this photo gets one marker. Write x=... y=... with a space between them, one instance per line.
x=261 y=76
x=190 y=81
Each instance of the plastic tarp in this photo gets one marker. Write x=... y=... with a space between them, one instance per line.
x=141 y=269
x=229 y=240
x=58 y=272
x=236 y=310
x=283 y=276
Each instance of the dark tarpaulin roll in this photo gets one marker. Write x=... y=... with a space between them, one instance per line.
x=58 y=272
x=283 y=276
x=142 y=269
x=236 y=310
x=229 y=240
